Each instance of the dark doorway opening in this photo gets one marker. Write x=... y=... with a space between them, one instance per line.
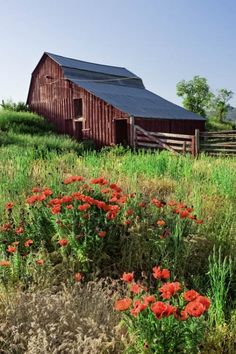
x=78 y=133
x=121 y=131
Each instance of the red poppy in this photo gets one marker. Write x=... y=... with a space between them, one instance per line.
x=19 y=230
x=195 y=308
x=63 y=242
x=138 y=307
x=136 y=288
x=102 y=234
x=9 y=205
x=199 y=222
x=142 y=204
x=149 y=299
x=28 y=243
x=36 y=190
x=123 y=304
x=11 y=249
x=127 y=277
x=171 y=203
x=159 y=273
x=161 y=223
x=5 y=227
x=5 y=263
x=169 y=289
x=47 y=192
x=158 y=308
x=56 y=209
x=129 y=212
x=84 y=207
x=78 y=277
x=69 y=207
x=40 y=262
x=204 y=301
x=184 y=214
x=190 y=295
x=15 y=243
x=183 y=315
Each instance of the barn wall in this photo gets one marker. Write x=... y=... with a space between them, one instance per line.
x=52 y=97
x=170 y=125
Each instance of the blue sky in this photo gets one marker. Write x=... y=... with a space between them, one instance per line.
x=162 y=41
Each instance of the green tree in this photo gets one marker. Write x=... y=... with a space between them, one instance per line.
x=220 y=103
x=196 y=94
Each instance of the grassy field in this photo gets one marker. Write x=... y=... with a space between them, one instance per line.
x=201 y=256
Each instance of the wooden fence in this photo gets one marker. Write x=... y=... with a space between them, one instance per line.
x=213 y=143
x=176 y=143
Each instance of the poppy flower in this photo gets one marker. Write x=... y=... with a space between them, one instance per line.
x=123 y=304
x=47 y=192
x=78 y=277
x=182 y=316
x=28 y=243
x=56 y=209
x=158 y=308
x=169 y=289
x=184 y=214
x=198 y=221
x=15 y=243
x=127 y=277
x=5 y=263
x=102 y=234
x=11 y=249
x=84 y=207
x=195 y=308
x=204 y=301
x=161 y=223
x=63 y=242
x=149 y=299
x=129 y=212
x=142 y=204
x=190 y=295
x=138 y=307
x=159 y=273
x=9 y=205
x=19 y=230
x=40 y=262
x=171 y=203
x=36 y=190
x=136 y=288
x=5 y=227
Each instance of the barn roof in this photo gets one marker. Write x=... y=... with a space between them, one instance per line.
x=122 y=89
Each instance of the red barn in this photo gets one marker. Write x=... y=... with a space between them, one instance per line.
x=101 y=102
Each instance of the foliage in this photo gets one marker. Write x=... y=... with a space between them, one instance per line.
x=166 y=320
x=9 y=105
x=196 y=94
x=220 y=103
x=213 y=124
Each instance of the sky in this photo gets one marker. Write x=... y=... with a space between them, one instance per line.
x=162 y=41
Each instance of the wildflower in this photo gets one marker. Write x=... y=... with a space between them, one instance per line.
x=157 y=203
x=105 y=190
x=84 y=207
x=190 y=295
x=184 y=214
x=136 y=288
x=161 y=223
x=15 y=243
x=40 y=262
x=73 y=179
x=159 y=273
x=69 y=207
x=142 y=204
x=47 y=192
x=127 y=222
x=63 y=242
x=138 y=307
x=28 y=243
x=123 y=304
x=170 y=310
x=9 y=205
x=5 y=263
x=56 y=209
x=102 y=234
x=169 y=289
x=78 y=277
x=5 y=227
x=11 y=249
x=19 y=230
x=204 y=301
x=199 y=222
x=171 y=203
x=127 y=277
x=195 y=308
x=149 y=299
x=158 y=308
x=36 y=190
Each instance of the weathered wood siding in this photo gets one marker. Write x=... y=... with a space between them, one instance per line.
x=52 y=96
x=170 y=125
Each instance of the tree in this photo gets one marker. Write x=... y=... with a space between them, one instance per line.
x=196 y=94
x=220 y=103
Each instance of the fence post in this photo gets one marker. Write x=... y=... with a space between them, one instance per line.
x=197 y=142
x=132 y=132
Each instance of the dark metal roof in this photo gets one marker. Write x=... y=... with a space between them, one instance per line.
x=122 y=89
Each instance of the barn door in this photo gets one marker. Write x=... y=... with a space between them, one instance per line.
x=121 y=131
x=78 y=126
x=69 y=127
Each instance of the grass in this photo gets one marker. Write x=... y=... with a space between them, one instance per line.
x=31 y=154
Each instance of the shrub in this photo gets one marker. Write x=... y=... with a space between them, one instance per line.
x=9 y=105
x=166 y=320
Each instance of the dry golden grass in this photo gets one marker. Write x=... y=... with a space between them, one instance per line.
x=78 y=319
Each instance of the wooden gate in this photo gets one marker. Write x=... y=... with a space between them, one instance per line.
x=176 y=143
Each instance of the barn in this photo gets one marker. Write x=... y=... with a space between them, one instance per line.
x=102 y=103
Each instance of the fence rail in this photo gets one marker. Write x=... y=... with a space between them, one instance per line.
x=213 y=143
